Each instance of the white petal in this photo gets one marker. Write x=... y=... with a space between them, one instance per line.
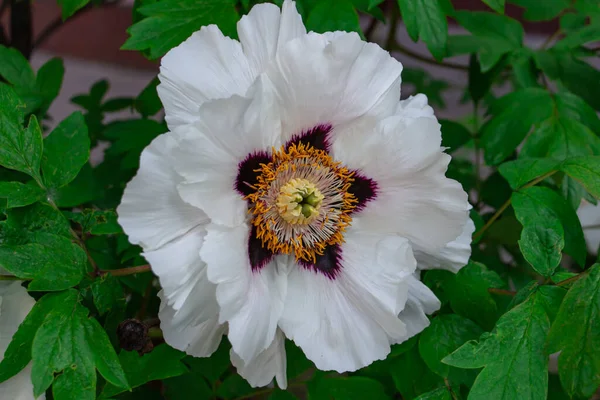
x=453 y=256
x=15 y=304
x=333 y=79
x=348 y=322
x=206 y=66
x=210 y=152
x=151 y=211
x=198 y=340
x=421 y=301
x=268 y=364
x=414 y=198
x=265 y=29
x=250 y=301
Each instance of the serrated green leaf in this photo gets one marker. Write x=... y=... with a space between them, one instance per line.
x=445 y=334
x=561 y=138
x=512 y=354
x=521 y=171
x=514 y=114
x=539 y=11
x=107 y=292
x=585 y=170
x=500 y=35
x=574 y=107
x=469 y=296
x=442 y=393
x=425 y=19
x=18 y=353
x=589 y=33
x=15 y=69
x=83 y=189
x=49 y=79
x=70 y=7
x=571 y=21
x=162 y=363
x=542 y=245
x=170 y=22
x=333 y=15
x=20 y=149
x=496 y=5
x=66 y=150
x=576 y=333
x=20 y=194
x=540 y=205
x=412 y=376
x=454 y=135
x=96 y=222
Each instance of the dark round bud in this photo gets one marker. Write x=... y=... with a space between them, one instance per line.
x=133 y=335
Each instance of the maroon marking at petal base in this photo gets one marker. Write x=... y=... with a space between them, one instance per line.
x=329 y=264
x=257 y=254
x=247 y=175
x=364 y=189
x=316 y=137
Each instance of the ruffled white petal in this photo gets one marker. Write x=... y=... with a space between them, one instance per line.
x=346 y=323
x=208 y=65
x=250 y=302
x=453 y=256
x=420 y=303
x=333 y=79
x=414 y=198
x=15 y=304
x=265 y=29
x=151 y=212
x=270 y=363
x=211 y=150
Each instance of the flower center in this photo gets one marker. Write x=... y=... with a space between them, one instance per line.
x=301 y=203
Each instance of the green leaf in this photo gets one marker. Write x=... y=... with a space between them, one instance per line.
x=445 y=334
x=148 y=103
x=234 y=386
x=162 y=363
x=496 y=5
x=577 y=76
x=574 y=107
x=15 y=69
x=69 y=7
x=540 y=206
x=20 y=194
x=96 y=222
x=589 y=33
x=412 y=376
x=571 y=21
x=346 y=388
x=536 y=10
x=454 y=135
x=469 y=296
x=170 y=22
x=514 y=114
x=188 y=386
x=83 y=189
x=442 y=393
x=585 y=170
x=279 y=394
x=20 y=149
x=424 y=83
x=18 y=353
x=576 y=333
x=425 y=19
x=213 y=367
x=333 y=15
x=107 y=292
x=68 y=340
x=572 y=191
x=511 y=354
x=542 y=244
x=498 y=35
x=561 y=138
x=521 y=171
x=66 y=150
x=49 y=79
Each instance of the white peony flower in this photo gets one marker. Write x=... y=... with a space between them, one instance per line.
x=293 y=197
x=15 y=304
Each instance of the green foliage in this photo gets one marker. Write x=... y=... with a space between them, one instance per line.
x=527 y=152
